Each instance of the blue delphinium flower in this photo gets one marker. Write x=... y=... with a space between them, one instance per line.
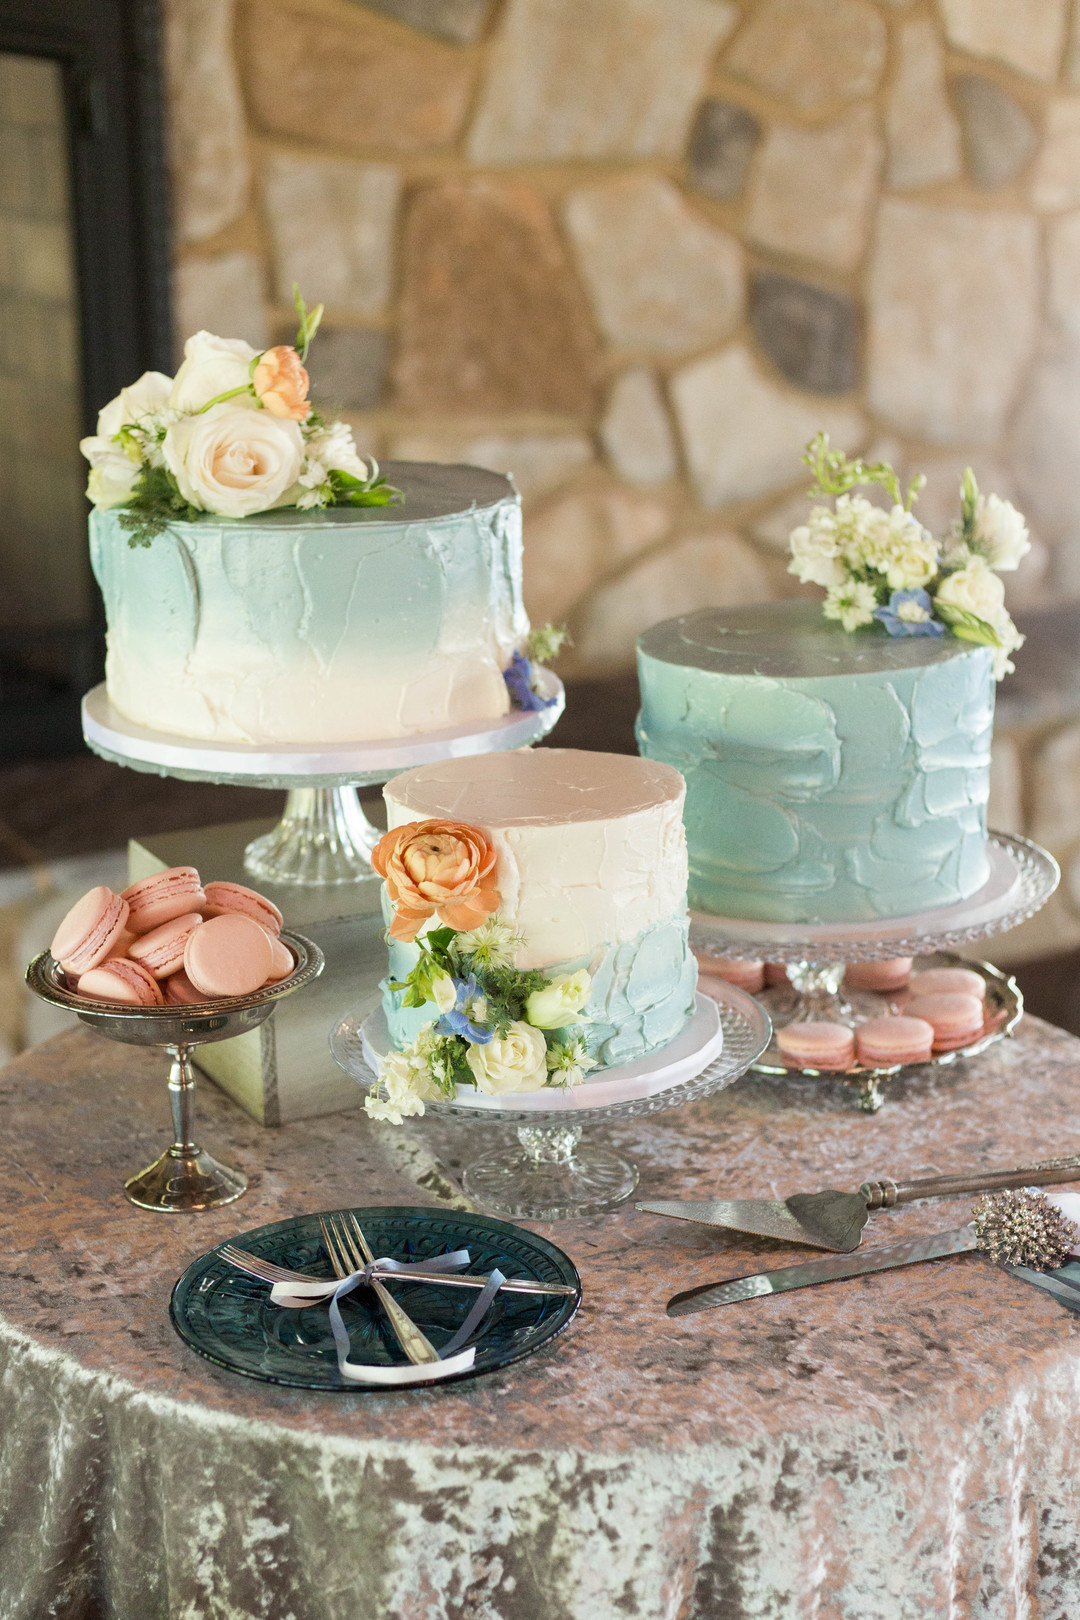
x=910 y=613
x=470 y=1004
x=519 y=683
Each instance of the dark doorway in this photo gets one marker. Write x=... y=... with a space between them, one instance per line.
x=84 y=309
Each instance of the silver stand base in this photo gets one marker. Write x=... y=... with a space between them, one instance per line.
x=324 y=837
x=550 y=1177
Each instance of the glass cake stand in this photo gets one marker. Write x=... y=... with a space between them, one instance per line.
x=323 y=837
x=185 y=1177
x=1022 y=878
x=550 y=1174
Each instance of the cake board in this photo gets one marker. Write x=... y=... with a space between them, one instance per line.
x=324 y=836
x=548 y=1176
x=1022 y=878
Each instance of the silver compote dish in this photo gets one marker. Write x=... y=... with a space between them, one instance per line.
x=185 y=1177
x=549 y=1173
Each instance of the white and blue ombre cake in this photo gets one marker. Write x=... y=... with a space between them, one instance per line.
x=591 y=873
x=830 y=776
x=322 y=626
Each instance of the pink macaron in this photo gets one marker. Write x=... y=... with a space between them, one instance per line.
x=162 y=949
x=882 y=1042
x=775 y=973
x=223 y=898
x=284 y=962
x=162 y=896
x=120 y=980
x=745 y=973
x=230 y=955
x=817 y=1044
x=891 y=974
x=180 y=992
x=948 y=981
x=90 y=930
x=956 y=1018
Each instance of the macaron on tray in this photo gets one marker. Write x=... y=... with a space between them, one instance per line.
x=895 y=1013
x=171 y=941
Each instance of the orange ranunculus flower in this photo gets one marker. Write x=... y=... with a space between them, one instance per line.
x=282 y=383
x=436 y=866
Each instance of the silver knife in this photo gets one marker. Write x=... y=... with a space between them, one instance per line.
x=930 y=1247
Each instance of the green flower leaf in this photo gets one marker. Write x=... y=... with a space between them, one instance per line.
x=967 y=626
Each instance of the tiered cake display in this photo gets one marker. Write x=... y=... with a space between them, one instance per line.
x=837 y=762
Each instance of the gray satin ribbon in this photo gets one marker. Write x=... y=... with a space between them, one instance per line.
x=456 y=1261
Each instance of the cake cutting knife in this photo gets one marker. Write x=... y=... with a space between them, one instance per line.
x=930 y=1247
x=834 y=1220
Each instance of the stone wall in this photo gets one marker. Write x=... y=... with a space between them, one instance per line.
x=637 y=251
x=46 y=575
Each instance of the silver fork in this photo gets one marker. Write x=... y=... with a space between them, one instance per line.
x=345 y=1258
x=267 y=1271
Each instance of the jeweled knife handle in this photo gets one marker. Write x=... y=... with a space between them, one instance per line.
x=885 y=1193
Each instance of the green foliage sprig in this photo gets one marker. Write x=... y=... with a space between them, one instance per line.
x=155 y=503
x=837 y=474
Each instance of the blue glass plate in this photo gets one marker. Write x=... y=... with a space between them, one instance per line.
x=228 y=1318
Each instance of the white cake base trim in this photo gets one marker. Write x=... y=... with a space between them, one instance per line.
x=692 y=1050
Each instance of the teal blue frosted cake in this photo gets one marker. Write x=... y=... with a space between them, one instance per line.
x=830 y=776
x=320 y=626
x=590 y=873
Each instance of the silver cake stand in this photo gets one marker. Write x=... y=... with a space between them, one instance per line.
x=549 y=1173
x=185 y=1177
x=324 y=837
x=1022 y=878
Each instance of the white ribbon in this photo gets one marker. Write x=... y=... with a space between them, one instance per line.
x=304 y=1291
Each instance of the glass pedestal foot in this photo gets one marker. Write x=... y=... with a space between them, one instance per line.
x=550 y=1176
x=185 y=1178
x=324 y=837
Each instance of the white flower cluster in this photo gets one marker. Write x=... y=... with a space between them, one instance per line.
x=233 y=457
x=882 y=565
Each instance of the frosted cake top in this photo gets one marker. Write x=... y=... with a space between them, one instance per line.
x=787 y=640
x=533 y=788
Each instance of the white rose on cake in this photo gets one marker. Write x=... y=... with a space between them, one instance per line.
x=214 y=366
x=113 y=474
x=560 y=1002
x=234 y=461
x=1000 y=532
x=516 y=1061
x=146 y=398
x=974 y=589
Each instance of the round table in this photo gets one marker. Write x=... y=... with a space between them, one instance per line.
x=893 y=1448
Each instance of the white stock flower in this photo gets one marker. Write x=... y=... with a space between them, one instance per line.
x=406 y=1080
x=853 y=603
x=213 y=366
x=909 y=553
x=1000 y=532
x=112 y=472
x=146 y=398
x=560 y=1001
x=815 y=550
x=516 y=1061
x=334 y=448
x=974 y=589
x=1008 y=640
x=233 y=461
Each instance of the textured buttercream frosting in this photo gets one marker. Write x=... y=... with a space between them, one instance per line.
x=831 y=776
x=320 y=627
x=591 y=871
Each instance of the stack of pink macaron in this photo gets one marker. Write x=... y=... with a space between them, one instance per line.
x=168 y=941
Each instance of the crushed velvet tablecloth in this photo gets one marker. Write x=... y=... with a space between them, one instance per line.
x=902 y=1447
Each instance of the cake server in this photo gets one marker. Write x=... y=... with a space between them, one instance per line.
x=834 y=1220
x=929 y=1247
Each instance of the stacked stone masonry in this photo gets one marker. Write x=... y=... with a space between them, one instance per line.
x=636 y=252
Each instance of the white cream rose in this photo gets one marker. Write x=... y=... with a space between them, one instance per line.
x=1000 y=532
x=147 y=397
x=517 y=1061
x=560 y=1001
x=213 y=366
x=113 y=473
x=234 y=461
x=974 y=589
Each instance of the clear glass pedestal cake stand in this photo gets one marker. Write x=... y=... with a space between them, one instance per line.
x=324 y=837
x=549 y=1173
x=1022 y=878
